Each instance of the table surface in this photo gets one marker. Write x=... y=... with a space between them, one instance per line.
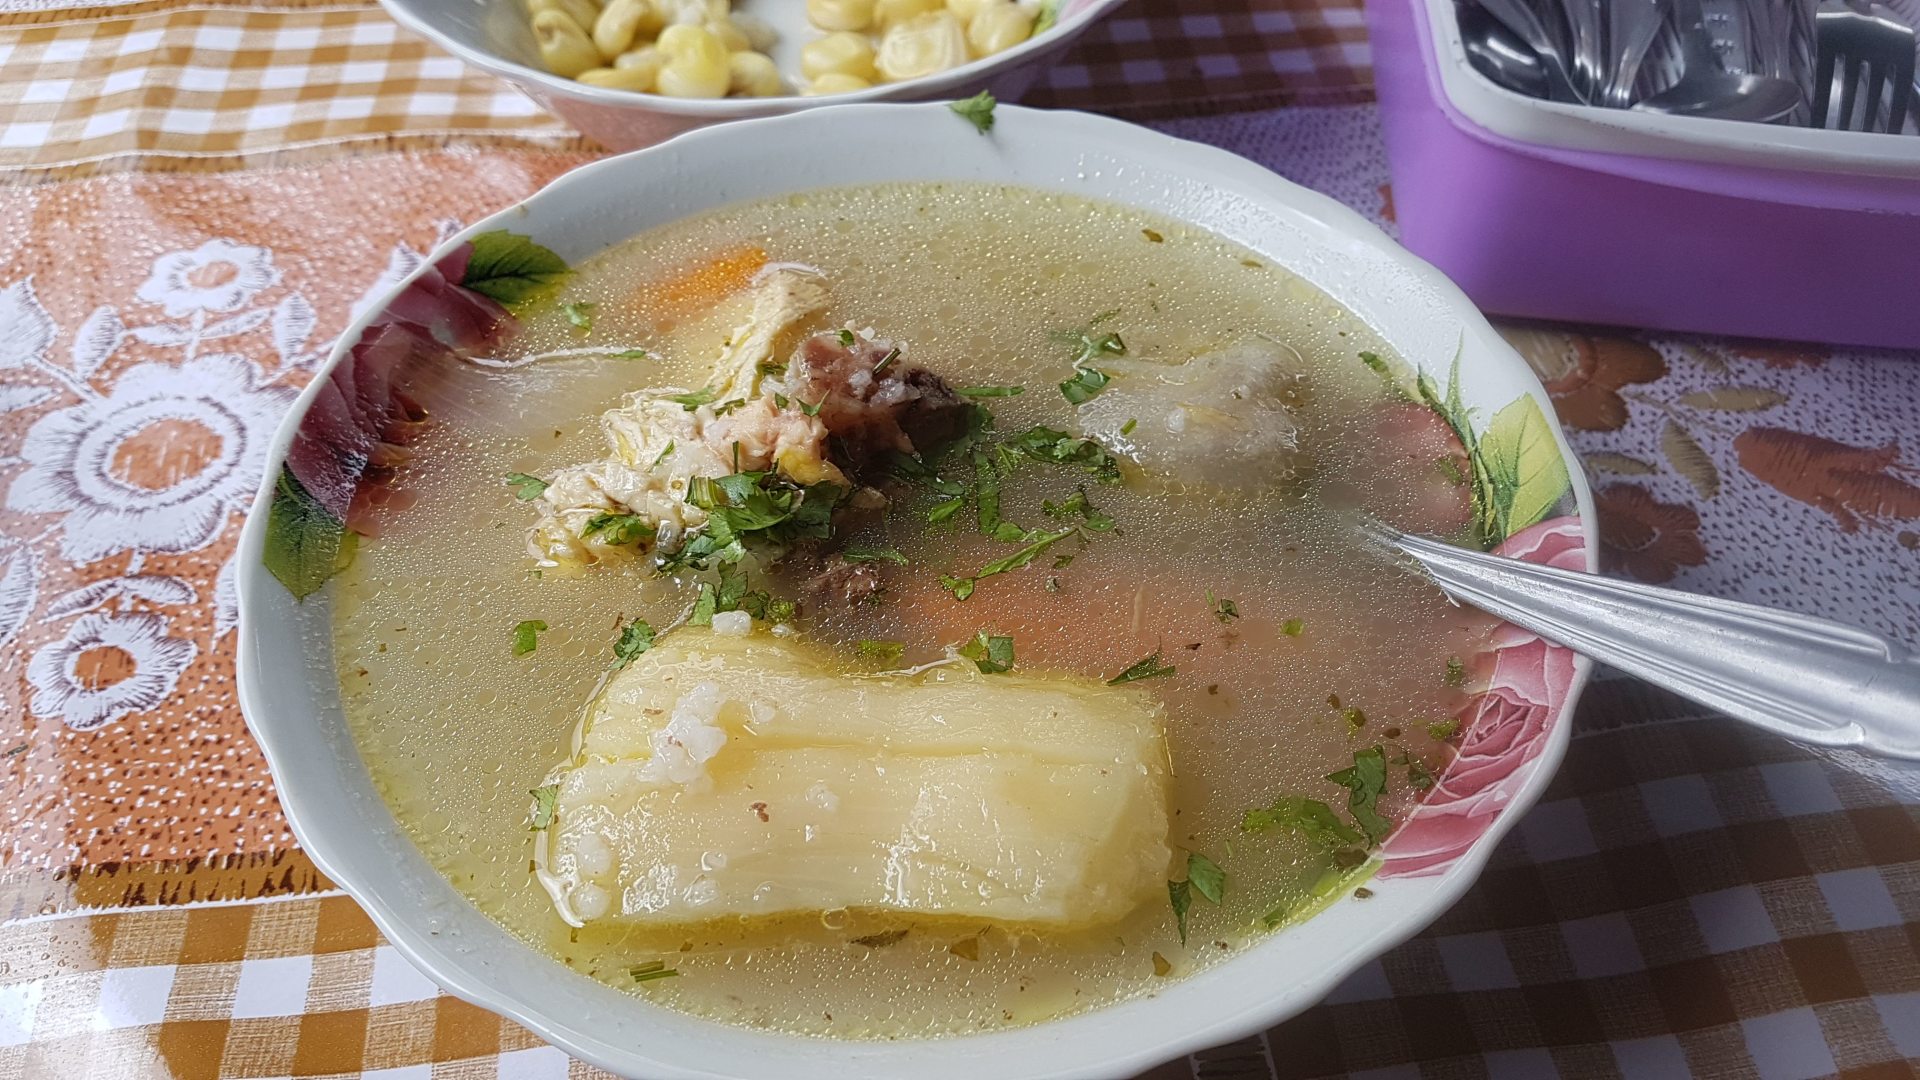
x=197 y=196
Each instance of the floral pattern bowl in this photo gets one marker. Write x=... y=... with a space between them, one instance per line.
x=334 y=456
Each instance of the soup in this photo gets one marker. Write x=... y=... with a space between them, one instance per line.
x=983 y=637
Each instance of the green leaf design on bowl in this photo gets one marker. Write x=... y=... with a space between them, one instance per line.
x=512 y=269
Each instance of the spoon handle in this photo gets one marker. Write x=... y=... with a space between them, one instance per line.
x=1805 y=678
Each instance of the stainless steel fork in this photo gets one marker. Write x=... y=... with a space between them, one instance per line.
x=1870 y=56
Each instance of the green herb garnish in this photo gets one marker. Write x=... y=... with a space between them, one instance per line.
x=1203 y=877
x=1442 y=730
x=1025 y=555
x=882 y=939
x=1180 y=895
x=773 y=369
x=976 y=110
x=1379 y=366
x=882 y=650
x=1310 y=818
x=1419 y=777
x=525 y=488
x=1365 y=781
x=726 y=407
x=1088 y=346
x=813 y=409
x=544 y=799
x=525 y=636
x=652 y=970
x=662 y=456
x=880 y=367
x=845 y=337
x=889 y=555
x=992 y=654
x=754 y=508
x=1293 y=627
x=617 y=529
x=960 y=587
x=696 y=399
x=1456 y=673
x=1127 y=428
x=580 y=314
x=632 y=354
x=634 y=640
x=1058 y=448
x=1223 y=609
x=943 y=511
x=1077 y=503
x=1085 y=384
x=990 y=391
x=1145 y=668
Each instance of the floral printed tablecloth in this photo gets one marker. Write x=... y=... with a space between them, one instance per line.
x=1690 y=898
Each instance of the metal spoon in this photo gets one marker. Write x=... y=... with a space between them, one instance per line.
x=1632 y=25
x=1524 y=23
x=1500 y=54
x=1705 y=90
x=1803 y=678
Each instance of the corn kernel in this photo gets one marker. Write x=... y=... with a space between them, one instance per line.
x=998 y=28
x=752 y=74
x=836 y=82
x=564 y=47
x=840 y=14
x=843 y=53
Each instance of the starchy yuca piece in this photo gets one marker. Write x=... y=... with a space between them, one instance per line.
x=735 y=776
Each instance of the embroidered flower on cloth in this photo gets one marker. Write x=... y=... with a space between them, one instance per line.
x=106 y=667
x=219 y=275
x=157 y=464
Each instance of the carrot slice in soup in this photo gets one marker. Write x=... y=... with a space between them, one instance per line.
x=703 y=285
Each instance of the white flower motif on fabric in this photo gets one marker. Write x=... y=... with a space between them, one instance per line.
x=106 y=667
x=157 y=464
x=219 y=275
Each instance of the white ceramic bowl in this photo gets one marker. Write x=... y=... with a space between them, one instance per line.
x=494 y=35
x=1516 y=727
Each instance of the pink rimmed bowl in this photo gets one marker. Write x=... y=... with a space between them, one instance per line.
x=1513 y=731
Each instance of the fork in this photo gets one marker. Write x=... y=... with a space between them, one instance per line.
x=1800 y=677
x=1867 y=51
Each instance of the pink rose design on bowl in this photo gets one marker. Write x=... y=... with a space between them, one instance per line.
x=1504 y=724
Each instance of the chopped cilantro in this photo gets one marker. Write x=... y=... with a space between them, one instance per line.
x=1127 y=428
x=664 y=451
x=1293 y=627
x=976 y=110
x=992 y=654
x=525 y=488
x=1088 y=346
x=632 y=354
x=1442 y=730
x=1077 y=503
x=813 y=409
x=845 y=337
x=1206 y=877
x=1203 y=877
x=617 y=529
x=882 y=939
x=1310 y=818
x=880 y=367
x=773 y=369
x=580 y=314
x=1419 y=777
x=1223 y=609
x=544 y=799
x=1085 y=384
x=729 y=592
x=1379 y=366
x=634 y=640
x=1456 y=673
x=890 y=555
x=1025 y=555
x=942 y=511
x=960 y=587
x=1058 y=448
x=651 y=970
x=780 y=401
x=990 y=391
x=1355 y=719
x=915 y=470
x=726 y=407
x=1145 y=668
x=1365 y=781
x=525 y=636
x=754 y=507
x=696 y=399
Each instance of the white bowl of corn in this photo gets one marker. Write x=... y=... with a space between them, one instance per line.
x=629 y=73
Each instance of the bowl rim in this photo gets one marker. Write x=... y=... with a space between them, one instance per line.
x=1070 y=25
x=451 y=968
